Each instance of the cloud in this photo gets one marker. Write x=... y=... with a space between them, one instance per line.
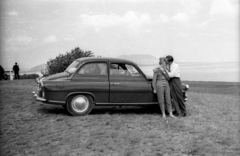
x=164 y=18
x=205 y=23
x=12 y=13
x=100 y=20
x=184 y=34
x=20 y=40
x=224 y=7
x=15 y=44
x=189 y=9
x=50 y=39
x=69 y=38
x=180 y=17
x=130 y=19
x=24 y=39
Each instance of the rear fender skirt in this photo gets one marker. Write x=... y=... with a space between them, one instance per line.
x=81 y=93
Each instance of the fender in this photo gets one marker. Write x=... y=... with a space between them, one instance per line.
x=84 y=93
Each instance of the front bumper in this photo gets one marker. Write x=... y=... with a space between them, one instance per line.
x=38 y=98
x=47 y=101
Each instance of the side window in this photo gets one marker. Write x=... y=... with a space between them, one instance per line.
x=132 y=70
x=116 y=69
x=93 y=69
x=123 y=70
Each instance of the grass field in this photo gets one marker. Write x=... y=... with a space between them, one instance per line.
x=31 y=128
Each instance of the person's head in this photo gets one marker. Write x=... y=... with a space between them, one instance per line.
x=162 y=60
x=169 y=59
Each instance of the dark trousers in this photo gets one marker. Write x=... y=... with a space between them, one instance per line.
x=16 y=75
x=177 y=96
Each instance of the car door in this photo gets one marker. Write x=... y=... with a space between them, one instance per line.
x=92 y=78
x=128 y=85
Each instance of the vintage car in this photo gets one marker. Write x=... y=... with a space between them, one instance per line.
x=97 y=81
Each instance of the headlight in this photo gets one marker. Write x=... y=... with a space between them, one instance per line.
x=43 y=94
x=187 y=87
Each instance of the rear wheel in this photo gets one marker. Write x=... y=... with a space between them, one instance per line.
x=79 y=104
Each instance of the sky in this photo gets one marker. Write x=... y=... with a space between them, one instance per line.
x=34 y=31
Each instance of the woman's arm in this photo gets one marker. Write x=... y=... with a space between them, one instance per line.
x=154 y=81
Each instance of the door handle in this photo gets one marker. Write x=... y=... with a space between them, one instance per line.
x=114 y=83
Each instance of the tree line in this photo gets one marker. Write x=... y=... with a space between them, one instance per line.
x=62 y=61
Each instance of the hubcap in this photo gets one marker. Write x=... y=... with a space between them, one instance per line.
x=80 y=104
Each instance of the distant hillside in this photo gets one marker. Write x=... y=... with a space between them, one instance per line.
x=38 y=68
x=24 y=69
x=141 y=59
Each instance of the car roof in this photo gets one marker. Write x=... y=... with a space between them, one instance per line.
x=106 y=59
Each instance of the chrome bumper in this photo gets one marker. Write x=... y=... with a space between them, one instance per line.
x=38 y=98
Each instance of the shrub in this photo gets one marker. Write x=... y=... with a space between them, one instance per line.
x=61 y=62
x=29 y=76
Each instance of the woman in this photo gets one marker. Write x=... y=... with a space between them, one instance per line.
x=161 y=87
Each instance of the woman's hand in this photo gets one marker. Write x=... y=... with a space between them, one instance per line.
x=154 y=91
x=161 y=68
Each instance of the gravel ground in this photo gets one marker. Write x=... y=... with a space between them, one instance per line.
x=31 y=128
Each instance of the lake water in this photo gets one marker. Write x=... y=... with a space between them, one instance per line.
x=226 y=72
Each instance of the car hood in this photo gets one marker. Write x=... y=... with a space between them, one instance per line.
x=58 y=76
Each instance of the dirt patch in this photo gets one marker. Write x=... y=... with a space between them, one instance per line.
x=31 y=128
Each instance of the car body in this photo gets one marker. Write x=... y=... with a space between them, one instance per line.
x=97 y=81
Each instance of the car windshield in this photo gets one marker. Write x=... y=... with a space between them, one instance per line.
x=72 y=67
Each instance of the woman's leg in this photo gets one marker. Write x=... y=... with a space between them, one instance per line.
x=160 y=96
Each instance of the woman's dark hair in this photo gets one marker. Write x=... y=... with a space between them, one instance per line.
x=169 y=58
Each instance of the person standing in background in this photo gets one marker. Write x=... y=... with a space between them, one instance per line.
x=175 y=86
x=16 y=71
x=1 y=72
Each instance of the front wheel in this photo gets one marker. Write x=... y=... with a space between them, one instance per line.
x=79 y=105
